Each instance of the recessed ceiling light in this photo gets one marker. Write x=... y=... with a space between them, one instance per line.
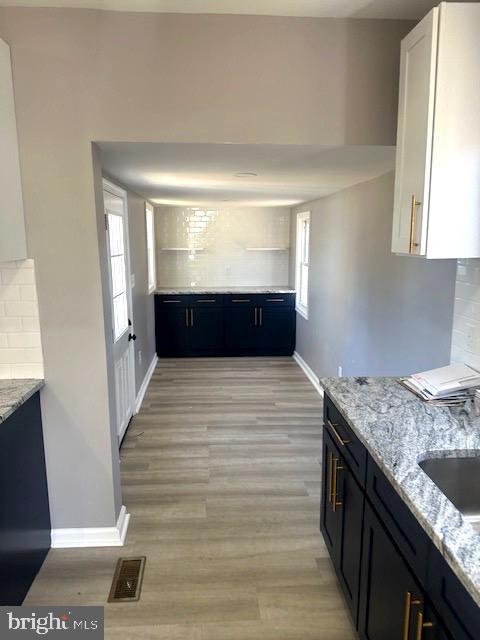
x=245 y=174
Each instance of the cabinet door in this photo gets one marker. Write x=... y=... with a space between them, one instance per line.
x=12 y=226
x=205 y=332
x=350 y=502
x=330 y=514
x=276 y=330
x=240 y=328
x=414 y=137
x=389 y=594
x=341 y=520
x=172 y=331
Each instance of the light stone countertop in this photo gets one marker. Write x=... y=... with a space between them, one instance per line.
x=399 y=430
x=13 y=393
x=219 y=290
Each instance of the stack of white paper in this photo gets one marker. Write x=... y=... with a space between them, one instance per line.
x=448 y=385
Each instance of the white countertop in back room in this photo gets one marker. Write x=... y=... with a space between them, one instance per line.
x=176 y=291
x=13 y=393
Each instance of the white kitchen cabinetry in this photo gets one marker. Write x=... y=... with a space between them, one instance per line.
x=12 y=226
x=437 y=183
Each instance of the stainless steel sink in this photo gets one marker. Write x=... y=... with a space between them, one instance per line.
x=459 y=480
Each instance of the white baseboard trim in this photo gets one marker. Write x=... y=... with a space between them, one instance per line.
x=93 y=536
x=308 y=372
x=145 y=383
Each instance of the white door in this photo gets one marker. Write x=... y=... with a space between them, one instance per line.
x=116 y=222
x=414 y=136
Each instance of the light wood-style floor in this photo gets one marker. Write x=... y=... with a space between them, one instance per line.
x=220 y=472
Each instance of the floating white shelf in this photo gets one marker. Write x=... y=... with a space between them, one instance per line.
x=192 y=249
x=267 y=248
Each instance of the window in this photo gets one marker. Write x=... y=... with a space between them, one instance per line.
x=152 y=272
x=301 y=259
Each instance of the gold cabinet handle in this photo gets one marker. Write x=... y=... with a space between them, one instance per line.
x=421 y=625
x=413 y=221
x=186 y=317
x=330 y=476
x=191 y=317
x=336 y=469
x=256 y=312
x=409 y=603
x=406 y=617
x=341 y=441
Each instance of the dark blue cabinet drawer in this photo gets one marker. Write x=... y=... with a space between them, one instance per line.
x=350 y=446
x=278 y=300
x=243 y=299
x=402 y=525
x=206 y=300
x=170 y=300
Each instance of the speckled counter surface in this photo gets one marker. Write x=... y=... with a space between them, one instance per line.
x=219 y=290
x=13 y=393
x=399 y=431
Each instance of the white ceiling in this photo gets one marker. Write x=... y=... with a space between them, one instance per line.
x=203 y=174
x=408 y=9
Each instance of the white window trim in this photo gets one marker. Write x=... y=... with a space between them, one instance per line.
x=301 y=308
x=149 y=209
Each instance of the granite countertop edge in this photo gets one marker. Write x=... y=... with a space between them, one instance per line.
x=220 y=290
x=399 y=431
x=15 y=392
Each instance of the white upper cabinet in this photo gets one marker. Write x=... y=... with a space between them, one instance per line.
x=437 y=182
x=12 y=226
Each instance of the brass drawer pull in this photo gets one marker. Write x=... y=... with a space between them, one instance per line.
x=409 y=603
x=206 y=301
x=421 y=625
x=330 y=476
x=341 y=441
x=170 y=301
x=336 y=468
x=243 y=300
x=275 y=299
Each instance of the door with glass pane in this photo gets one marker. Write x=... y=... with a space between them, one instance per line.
x=116 y=223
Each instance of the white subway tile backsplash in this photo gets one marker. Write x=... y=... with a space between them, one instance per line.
x=28 y=292
x=30 y=324
x=20 y=340
x=10 y=325
x=466 y=319
x=9 y=292
x=27 y=340
x=21 y=309
x=219 y=240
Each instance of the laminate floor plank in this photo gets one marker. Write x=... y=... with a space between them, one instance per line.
x=221 y=475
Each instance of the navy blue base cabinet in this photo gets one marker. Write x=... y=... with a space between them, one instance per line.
x=24 y=508
x=396 y=583
x=225 y=325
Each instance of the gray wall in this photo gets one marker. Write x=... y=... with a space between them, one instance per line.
x=84 y=75
x=371 y=312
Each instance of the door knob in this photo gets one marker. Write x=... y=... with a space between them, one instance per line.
x=132 y=336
